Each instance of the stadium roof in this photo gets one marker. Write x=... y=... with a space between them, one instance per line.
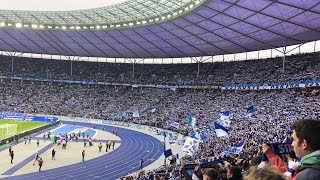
x=162 y=28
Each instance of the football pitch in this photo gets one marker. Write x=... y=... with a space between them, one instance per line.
x=21 y=125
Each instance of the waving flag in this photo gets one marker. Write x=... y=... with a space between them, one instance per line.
x=167 y=148
x=235 y=149
x=225 y=119
x=189 y=118
x=225 y=115
x=193 y=122
x=135 y=113
x=250 y=110
x=190 y=145
x=203 y=136
x=220 y=130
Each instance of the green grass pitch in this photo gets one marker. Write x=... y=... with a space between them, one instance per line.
x=22 y=125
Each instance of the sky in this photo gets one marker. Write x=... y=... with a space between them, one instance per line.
x=55 y=5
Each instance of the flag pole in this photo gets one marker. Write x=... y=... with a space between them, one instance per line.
x=164 y=149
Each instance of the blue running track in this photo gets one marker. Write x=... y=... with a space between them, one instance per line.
x=122 y=161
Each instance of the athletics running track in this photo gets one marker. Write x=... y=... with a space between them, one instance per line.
x=122 y=161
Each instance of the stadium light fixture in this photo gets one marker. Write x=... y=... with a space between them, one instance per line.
x=169 y=15
x=49 y=27
x=118 y=25
x=64 y=27
x=191 y=6
x=34 y=26
x=138 y=22
x=57 y=27
x=41 y=26
x=186 y=8
x=91 y=27
x=26 y=25
x=18 y=25
x=162 y=18
x=143 y=22
x=2 y=24
x=197 y=2
x=156 y=19
x=180 y=11
x=130 y=24
x=9 y=24
x=111 y=26
x=98 y=27
x=85 y=27
x=175 y=13
x=78 y=27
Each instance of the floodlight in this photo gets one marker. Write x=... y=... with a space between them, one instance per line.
x=191 y=6
x=26 y=25
x=169 y=15
x=71 y=27
x=118 y=25
x=18 y=25
x=49 y=27
x=130 y=24
x=34 y=26
x=78 y=27
x=98 y=27
x=105 y=27
x=143 y=22
x=64 y=27
x=197 y=2
x=41 y=26
x=156 y=19
x=2 y=24
x=163 y=17
x=85 y=27
x=9 y=24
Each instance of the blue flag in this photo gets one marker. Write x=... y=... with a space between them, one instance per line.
x=250 y=110
x=235 y=149
x=189 y=118
x=220 y=130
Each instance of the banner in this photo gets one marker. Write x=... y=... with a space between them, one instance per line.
x=280 y=148
x=274 y=85
x=106 y=122
x=22 y=117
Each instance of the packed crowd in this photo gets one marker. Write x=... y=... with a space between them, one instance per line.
x=297 y=67
x=274 y=111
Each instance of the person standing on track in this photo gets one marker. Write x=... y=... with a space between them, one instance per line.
x=83 y=155
x=40 y=162
x=100 y=146
x=12 y=155
x=53 y=154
